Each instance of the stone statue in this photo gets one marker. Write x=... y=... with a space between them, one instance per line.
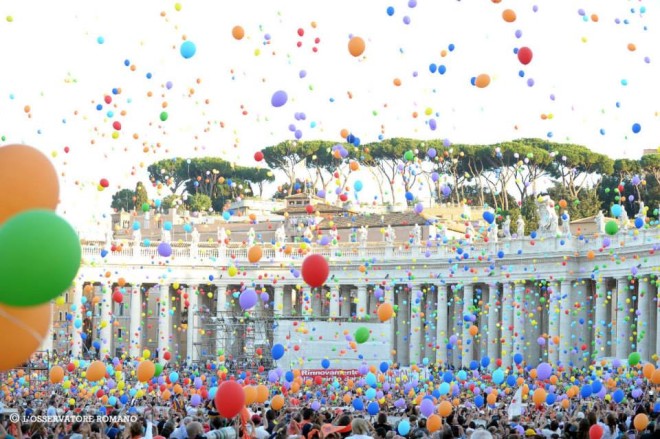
x=165 y=236
x=222 y=236
x=548 y=219
x=641 y=213
x=194 y=236
x=599 y=219
x=308 y=234
x=469 y=233
x=137 y=237
x=390 y=235
x=417 y=235
x=566 y=224
x=334 y=235
x=251 y=237
x=364 y=236
x=280 y=234
x=467 y=212
x=492 y=232
x=432 y=232
x=623 y=218
x=506 y=227
x=520 y=227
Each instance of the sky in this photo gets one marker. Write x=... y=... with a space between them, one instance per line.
x=585 y=83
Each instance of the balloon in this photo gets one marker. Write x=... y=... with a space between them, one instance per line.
x=634 y=358
x=56 y=374
x=325 y=363
x=21 y=332
x=145 y=371
x=27 y=181
x=595 y=432
x=254 y=254
x=586 y=391
x=248 y=299
x=539 y=396
x=277 y=402
x=385 y=311
x=518 y=358
x=498 y=376
x=315 y=270
x=427 y=407
x=641 y=421
x=403 y=428
x=229 y=399
x=237 y=32
x=373 y=408
x=525 y=56
x=544 y=370
x=482 y=80
x=616 y=210
x=434 y=423
x=639 y=222
x=165 y=249
x=279 y=98
x=445 y=409
x=277 y=351
x=250 y=395
x=40 y=246
x=611 y=228
x=361 y=335
x=262 y=394
x=356 y=46
x=95 y=371
x=509 y=15
x=636 y=128
x=188 y=49
x=489 y=217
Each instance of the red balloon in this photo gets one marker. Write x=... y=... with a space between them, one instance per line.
x=309 y=208
x=167 y=356
x=525 y=55
x=229 y=399
x=315 y=270
x=117 y=297
x=70 y=367
x=258 y=156
x=595 y=432
x=104 y=182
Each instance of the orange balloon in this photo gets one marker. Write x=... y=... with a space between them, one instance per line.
x=166 y=395
x=533 y=374
x=56 y=374
x=482 y=81
x=397 y=82
x=509 y=16
x=445 y=409
x=648 y=370
x=655 y=378
x=354 y=165
x=385 y=311
x=565 y=403
x=262 y=394
x=277 y=402
x=146 y=370
x=539 y=396
x=255 y=253
x=238 y=32
x=250 y=394
x=21 y=330
x=491 y=399
x=641 y=422
x=563 y=204
x=356 y=46
x=473 y=330
x=95 y=371
x=591 y=254
x=632 y=47
x=27 y=181
x=434 y=423
x=344 y=133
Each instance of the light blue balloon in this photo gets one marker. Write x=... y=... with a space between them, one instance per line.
x=498 y=376
x=403 y=428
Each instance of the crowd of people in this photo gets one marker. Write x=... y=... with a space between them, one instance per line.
x=121 y=407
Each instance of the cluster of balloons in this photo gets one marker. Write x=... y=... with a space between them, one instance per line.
x=40 y=251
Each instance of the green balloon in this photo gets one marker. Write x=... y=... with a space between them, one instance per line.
x=634 y=358
x=159 y=369
x=164 y=116
x=611 y=228
x=409 y=155
x=40 y=257
x=361 y=335
x=145 y=207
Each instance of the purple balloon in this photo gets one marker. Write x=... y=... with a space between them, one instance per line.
x=543 y=371
x=195 y=400
x=248 y=299
x=264 y=297
x=426 y=407
x=431 y=153
x=279 y=98
x=198 y=383
x=419 y=207
x=316 y=405
x=164 y=249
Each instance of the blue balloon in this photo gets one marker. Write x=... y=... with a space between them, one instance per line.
x=485 y=361
x=325 y=363
x=489 y=216
x=518 y=358
x=586 y=391
x=618 y=395
x=639 y=222
x=616 y=210
x=479 y=401
x=384 y=366
x=188 y=49
x=596 y=386
x=636 y=128
x=373 y=408
x=97 y=345
x=357 y=186
x=448 y=377
x=277 y=351
x=403 y=428
x=390 y=10
x=474 y=365
x=550 y=398
x=358 y=404
x=288 y=376
x=498 y=376
x=370 y=393
x=174 y=377
x=370 y=379
x=511 y=380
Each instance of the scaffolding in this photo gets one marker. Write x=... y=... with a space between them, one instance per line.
x=236 y=336
x=36 y=369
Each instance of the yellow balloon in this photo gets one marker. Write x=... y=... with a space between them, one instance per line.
x=146 y=354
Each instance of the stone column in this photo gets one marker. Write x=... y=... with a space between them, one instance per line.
x=163 y=320
x=493 y=317
x=623 y=348
x=334 y=301
x=47 y=342
x=507 y=325
x=192 y=331
x=76 y=348
x=135 y=322
x=346 y=303
x=287 y=301
x=441 y=325
x=220 y=308
x=416 y=329
x=317 y=301
x=106 y=322
x=519 y=319
x=467 y=348
x=656 y=306
x=565 y=342
x=601 y=331
x=554 y=316
x=278 y=300
x=643 y=312
x=361 y=309
x=389 y=298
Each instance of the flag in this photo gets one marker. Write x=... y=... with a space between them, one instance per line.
x=515 y=408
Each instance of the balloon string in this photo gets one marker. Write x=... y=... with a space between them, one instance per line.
x=21 y=324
